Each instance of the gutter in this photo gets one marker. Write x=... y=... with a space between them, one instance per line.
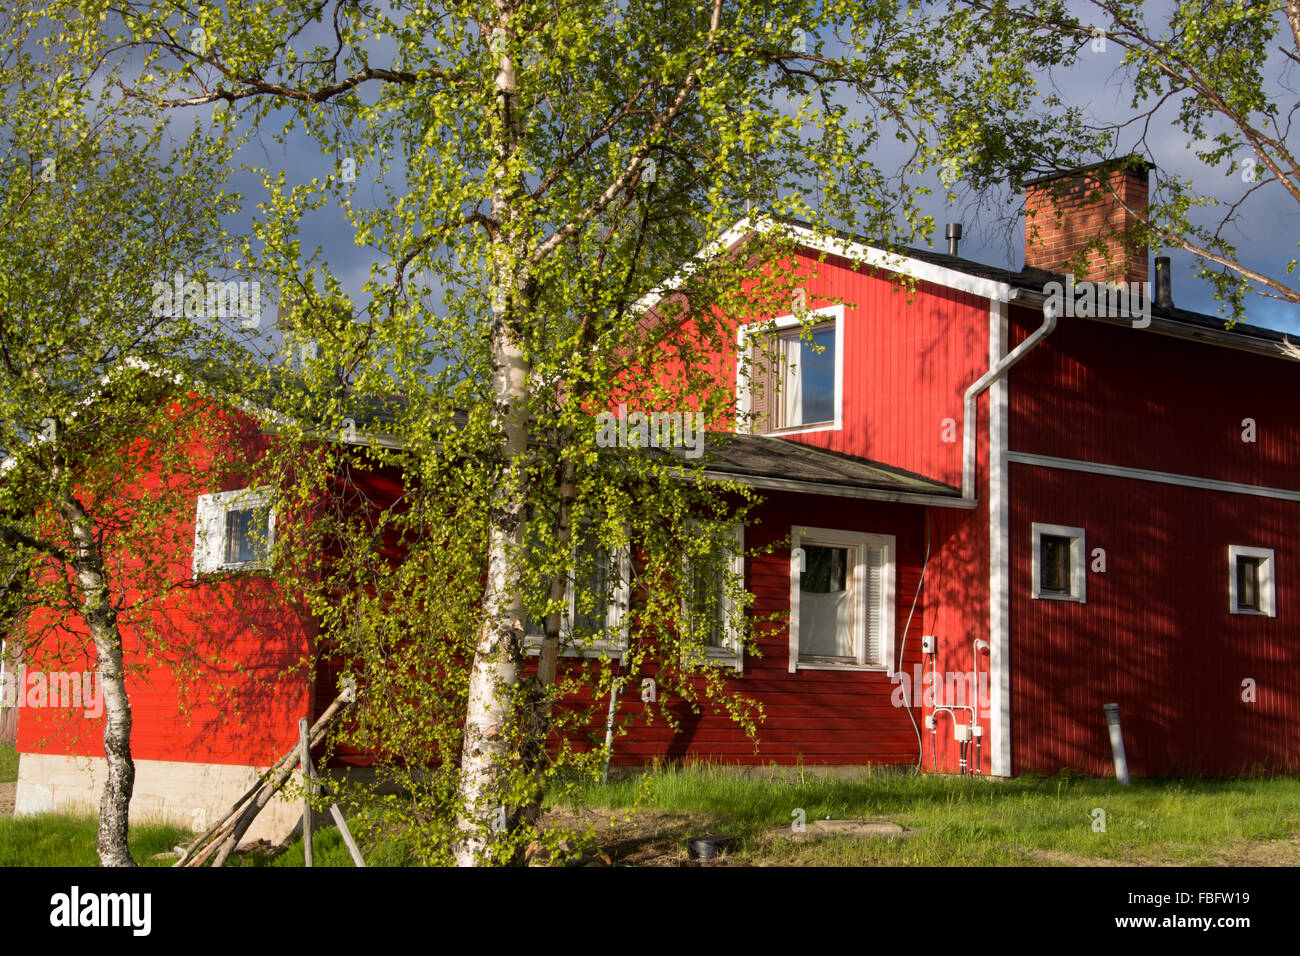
x=988 y=378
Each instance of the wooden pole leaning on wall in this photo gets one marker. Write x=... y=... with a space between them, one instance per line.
x=224 y=836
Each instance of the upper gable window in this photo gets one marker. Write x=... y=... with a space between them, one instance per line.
x=233 y=530
x=795 y=377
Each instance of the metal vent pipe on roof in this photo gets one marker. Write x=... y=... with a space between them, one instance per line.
x=1164 y=284
x=953 y=234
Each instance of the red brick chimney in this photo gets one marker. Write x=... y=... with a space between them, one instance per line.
x=1082 y=212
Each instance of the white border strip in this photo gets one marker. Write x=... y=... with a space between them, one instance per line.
x=999 y=556
x=1160 y=477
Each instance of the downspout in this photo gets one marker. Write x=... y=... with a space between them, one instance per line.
x=983 y=382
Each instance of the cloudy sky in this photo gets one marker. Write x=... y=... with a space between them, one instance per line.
x=1265 y=234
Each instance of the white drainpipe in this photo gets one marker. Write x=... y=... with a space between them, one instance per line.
x=984 y=381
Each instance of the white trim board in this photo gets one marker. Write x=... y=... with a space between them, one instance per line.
x=999 y=553
x=1160 y=477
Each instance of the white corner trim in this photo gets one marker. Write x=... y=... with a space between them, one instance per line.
x=1160 y=477
x=743 y=334
x=999 y=556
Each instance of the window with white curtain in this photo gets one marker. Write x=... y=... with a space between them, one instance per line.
x=792 y=377
x=233 y=530
x=841 y=599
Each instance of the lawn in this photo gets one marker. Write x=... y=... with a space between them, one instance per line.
x=950 y=821
x=646 y=820
x=8 y=763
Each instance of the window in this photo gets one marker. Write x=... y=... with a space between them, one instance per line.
x=709 y=605
x=1059 y=564
x=233 y=530
x=595 y=618
x=795 y=380
x=1250 y=581
x=841 y=600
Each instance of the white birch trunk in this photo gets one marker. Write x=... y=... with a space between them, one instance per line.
x=101 y=619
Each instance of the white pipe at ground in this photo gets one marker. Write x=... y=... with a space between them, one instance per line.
x=1117 y=743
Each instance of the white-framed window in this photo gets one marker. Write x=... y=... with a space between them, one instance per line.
x=794 y=383
x=1059 y=563
x=233 y=530
x=1251 y=588
x=709 y=604
x=841 y=600
x=590 y=626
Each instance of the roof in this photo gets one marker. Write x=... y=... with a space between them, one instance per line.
x=771 y=462
x=1029 y=282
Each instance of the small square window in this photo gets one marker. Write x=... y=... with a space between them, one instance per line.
x=233 y=530
x=1059 y=567
x=1250 y=581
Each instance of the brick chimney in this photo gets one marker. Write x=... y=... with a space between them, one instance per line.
x=1082 y=212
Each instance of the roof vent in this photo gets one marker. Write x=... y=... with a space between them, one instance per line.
x=953 y=235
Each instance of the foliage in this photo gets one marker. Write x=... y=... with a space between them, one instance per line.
x=529 y=181
x=1217 y=72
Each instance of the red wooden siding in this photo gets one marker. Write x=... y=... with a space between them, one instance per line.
x=1155 y=635
x=908 y=358
x=833 y=717
x=225 y=685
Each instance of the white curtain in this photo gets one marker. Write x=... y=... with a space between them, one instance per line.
x=825 y=624
x=791 y=386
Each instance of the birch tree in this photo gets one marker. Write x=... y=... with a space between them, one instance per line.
x=526 y=179
x=95 y=208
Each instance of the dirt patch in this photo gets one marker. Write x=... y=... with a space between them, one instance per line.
x=8 y=792
x=649 y=838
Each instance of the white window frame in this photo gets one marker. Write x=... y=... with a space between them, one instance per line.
x=746 y=332
x=210 y=528
x=1078 y=562
x=858 y=542
x=1267 y=580
x=732 y=651
x=616 y=616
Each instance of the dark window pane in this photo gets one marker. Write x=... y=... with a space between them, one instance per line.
x=825 y=570
x=817 y=372
x=1054 y=564
x=1248 y=583
x=246 y=535
x=593 y=586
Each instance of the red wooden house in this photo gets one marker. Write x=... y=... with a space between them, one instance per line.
x=1011 y=499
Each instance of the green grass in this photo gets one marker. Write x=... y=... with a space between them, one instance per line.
x=972 y=821
x=8 y=763
x=56 y=839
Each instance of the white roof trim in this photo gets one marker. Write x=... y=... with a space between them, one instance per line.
x=849 y=249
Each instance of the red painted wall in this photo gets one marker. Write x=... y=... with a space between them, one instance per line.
x=909 y=357
x=1155 y=635
x=223 y=684
x=831 y=717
